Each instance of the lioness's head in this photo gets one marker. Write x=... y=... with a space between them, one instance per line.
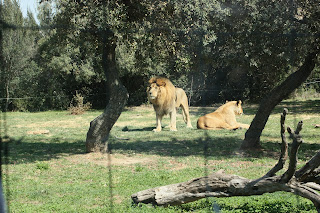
x=238 y=108
x=154 y=88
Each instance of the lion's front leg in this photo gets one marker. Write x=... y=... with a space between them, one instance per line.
x=240 y=126
x=173 y=115
x=244 y=126
x=158 y=123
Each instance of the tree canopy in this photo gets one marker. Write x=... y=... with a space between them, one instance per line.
x=215 y=50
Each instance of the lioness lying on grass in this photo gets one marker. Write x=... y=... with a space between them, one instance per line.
x=223 y=118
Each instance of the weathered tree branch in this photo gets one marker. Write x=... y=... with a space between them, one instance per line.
x=220 y=184
x=286 y=177
x=310 y=169
x=313 y=186
x=284 y=146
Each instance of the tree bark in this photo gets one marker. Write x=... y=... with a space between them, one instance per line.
x=220 y=184
x=100 y=127
x=268 y=103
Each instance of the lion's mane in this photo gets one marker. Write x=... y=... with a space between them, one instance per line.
x=164 y=100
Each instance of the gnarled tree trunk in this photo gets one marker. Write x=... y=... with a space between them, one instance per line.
x=303 y=182
x=100 y=127
x=268 y=103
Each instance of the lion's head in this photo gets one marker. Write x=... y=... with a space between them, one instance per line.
x=155 y=88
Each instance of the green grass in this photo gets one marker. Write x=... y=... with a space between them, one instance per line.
x=52 y=173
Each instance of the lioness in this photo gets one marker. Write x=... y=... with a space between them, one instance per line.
x=223 y=118
x=165 y=97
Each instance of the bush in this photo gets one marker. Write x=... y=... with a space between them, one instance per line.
x=77 y=107
x=305 y=93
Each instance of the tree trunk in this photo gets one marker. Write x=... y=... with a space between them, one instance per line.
x=252 y=136
x=304 y=182
x=100 y=127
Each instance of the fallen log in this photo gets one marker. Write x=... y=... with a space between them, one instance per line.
x=304 y=182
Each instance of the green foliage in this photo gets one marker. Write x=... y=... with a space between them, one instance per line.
x=45 y=15
x=17 y=47
x=215 y=50
x=272 y=203
x=42 y=166
x=225 y=50
x=138 y=168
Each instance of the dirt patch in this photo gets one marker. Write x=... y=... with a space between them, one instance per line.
x=175 y=166
x=116 y=159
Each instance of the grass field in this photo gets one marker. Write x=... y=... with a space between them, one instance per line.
x=52 y=173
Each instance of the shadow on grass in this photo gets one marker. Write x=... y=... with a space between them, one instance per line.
x=272 y=150
x=299 y=107
x=295 y=107
x=145 y=129
x=211 y=147
x=218 y=146
x=41 y=148
x=25 y=150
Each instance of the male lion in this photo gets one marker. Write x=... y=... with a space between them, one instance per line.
x=223 y=118
x=165 y=98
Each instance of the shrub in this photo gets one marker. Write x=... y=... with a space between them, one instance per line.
x=77 y=107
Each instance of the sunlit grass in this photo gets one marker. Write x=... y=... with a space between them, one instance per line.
x=52 y=173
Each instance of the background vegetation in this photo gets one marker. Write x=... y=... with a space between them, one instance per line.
x=215 y=50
